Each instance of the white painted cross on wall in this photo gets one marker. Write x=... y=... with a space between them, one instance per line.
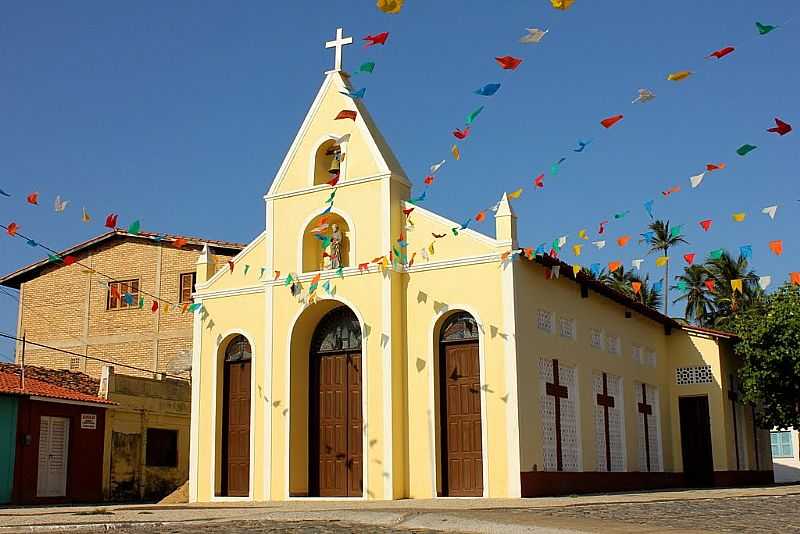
x=338 y=43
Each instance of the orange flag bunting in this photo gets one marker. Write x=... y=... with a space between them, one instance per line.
x=179 y=243
x=33 y=198
x=776 y=247
x=795 y=277
x=429 y=180
x=614 y=265
x=711 y=167
x=480 y=217
x=504 y=256
x=363 y=267
x=346 y=114
x=622 y=241
x=611 y=121
x=636 y=286
x=12 y=228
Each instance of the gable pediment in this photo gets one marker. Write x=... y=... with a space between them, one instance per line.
x=366 y=153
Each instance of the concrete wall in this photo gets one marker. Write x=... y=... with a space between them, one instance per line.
x=143 y=403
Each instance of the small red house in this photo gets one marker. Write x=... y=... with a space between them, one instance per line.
x=59 y=435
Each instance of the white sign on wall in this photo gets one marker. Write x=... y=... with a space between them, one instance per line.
x=88 y=421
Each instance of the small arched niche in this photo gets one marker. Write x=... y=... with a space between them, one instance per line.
x=326 y=243
x=327 y=161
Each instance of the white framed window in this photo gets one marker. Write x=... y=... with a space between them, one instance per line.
x=568 y=328
x=614 y=345
x=781 y=441
x=652 y=359
x=546 y=321
x=637 y=353
x=597 y=339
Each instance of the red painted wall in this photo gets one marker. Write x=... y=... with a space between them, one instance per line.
x=85 y=453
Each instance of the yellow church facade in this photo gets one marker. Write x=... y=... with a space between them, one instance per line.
x=325 y=364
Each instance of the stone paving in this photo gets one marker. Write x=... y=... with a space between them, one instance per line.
x=778 y=514
x=762 y=510
x=265 y=527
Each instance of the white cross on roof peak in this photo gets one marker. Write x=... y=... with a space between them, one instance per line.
x=338 y=43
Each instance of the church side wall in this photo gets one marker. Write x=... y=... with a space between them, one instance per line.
x=561 y=299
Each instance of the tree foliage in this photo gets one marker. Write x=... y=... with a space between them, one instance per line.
x=769 y=332
x=716 y=305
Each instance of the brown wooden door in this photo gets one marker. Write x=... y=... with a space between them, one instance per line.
x=698 y=461
x=236 y=430
x=462 y=460
x=336 y=425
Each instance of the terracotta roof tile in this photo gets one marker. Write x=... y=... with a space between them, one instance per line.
x=53 y=383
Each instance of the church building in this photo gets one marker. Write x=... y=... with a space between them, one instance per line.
x=330 y=361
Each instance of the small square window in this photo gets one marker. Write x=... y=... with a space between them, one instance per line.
x=122 y=294
x=781 y=444
x=597 y=339
x=568 y=328
x=162 y=447
x=75 y=363
x=545 y=320
x=187 y=287
x=614 y=345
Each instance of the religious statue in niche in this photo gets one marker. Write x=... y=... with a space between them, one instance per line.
x=336 y=247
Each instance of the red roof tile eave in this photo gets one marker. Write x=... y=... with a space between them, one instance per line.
x=15 y=278
x=10 y=384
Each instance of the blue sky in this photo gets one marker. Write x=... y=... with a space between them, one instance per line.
x=179 y=113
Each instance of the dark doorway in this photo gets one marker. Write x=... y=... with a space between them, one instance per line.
x=698 y=462
x=460 y=391
x=236 y=419
x=335 y=415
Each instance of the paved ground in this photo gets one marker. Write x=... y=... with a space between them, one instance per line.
x=762 y=510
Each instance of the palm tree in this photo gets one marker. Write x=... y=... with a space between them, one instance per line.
x=699 y=304
x=622 y=281
x=663 y=238
x=723 y=270
x=648 y=295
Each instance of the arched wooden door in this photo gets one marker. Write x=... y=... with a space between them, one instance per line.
x=460 y=405
x=335 y=418
x=236 y=419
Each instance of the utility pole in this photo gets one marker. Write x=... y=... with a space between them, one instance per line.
x=22 y=361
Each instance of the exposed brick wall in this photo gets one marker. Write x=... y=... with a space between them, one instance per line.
x=66 y=307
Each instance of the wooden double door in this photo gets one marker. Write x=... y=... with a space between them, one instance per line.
x=460 y=389
x=336 y=425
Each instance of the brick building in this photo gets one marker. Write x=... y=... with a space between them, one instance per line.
x=72 y=307
x=94 y=314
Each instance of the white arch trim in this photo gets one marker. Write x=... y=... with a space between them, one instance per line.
x=433 y=362
x=351 y=234
x=214 y=453
x=364 y=396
